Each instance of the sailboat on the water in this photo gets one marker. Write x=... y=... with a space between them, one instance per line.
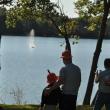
x=32 y=39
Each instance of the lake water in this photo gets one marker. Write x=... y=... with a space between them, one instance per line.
x=24 y=67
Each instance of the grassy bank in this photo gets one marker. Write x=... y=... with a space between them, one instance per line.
x=19 y=107
x=35 y=107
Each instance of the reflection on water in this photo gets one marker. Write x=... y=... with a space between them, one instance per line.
x=26 y=68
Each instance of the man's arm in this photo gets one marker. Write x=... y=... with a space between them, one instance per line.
x=56 y=85
x=96 y=77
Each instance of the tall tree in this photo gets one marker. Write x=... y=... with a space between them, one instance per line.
x=98 y=12
x=25 y=10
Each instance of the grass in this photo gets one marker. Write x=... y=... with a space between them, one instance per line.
x=35 y=107
x=19 y=107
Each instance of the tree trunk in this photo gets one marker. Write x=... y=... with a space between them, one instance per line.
x=68 y=46
x=96 y=55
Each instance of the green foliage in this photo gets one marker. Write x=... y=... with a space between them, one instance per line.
x=55 y=14
x=91 y=11
x=22 y=11
x=2 y=11
x=28 y=10
x=68 y=26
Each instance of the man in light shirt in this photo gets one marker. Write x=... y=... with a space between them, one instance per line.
x=69 y=79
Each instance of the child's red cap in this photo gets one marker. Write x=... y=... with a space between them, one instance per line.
x=51 y=77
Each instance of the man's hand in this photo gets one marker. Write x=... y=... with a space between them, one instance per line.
x=47 y=91
x=96 y=76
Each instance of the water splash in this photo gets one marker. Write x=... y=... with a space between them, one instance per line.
x=32 y=39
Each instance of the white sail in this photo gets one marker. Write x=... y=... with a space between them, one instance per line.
x=32 y=39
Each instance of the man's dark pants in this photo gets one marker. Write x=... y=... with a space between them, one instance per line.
x=68 y=102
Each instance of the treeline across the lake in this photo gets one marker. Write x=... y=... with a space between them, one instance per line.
x=45 y=28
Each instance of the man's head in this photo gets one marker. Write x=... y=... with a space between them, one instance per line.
x=66 y=56
x=107 y=63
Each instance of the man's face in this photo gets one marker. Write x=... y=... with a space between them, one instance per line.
x=65 y=61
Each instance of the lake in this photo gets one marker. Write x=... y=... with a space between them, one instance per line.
x=24 y=63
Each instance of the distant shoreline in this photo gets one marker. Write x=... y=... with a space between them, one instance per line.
x=80 y=37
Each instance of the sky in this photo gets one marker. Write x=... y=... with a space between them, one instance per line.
x=69 y=8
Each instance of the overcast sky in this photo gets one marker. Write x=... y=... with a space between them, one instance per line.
x=68 y=7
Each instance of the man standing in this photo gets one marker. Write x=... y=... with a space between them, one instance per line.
x=70 y=79
x=103 y=78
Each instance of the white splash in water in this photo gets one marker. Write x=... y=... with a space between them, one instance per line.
x=31 y=39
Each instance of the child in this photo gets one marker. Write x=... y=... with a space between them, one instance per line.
x=50 y=102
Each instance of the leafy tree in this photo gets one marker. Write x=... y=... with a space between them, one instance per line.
x=96 y=13
x=26 y=10
x=4 y=3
